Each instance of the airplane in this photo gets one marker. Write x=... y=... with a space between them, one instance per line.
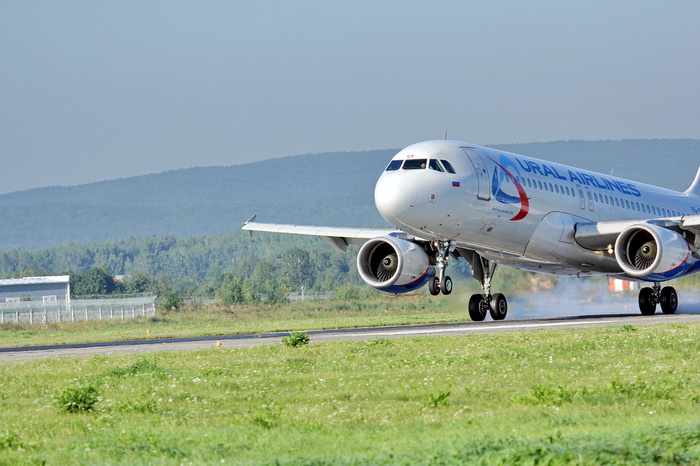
x=451 y=200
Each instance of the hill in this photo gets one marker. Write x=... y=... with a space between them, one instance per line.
x=329 y=188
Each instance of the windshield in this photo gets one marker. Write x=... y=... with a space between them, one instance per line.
x=415 y=164
x=394 y=165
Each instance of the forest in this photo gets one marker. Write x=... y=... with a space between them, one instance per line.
x=233 y=267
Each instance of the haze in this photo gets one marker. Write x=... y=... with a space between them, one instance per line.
x=101 y=90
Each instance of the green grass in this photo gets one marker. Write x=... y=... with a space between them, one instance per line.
x=219 y=319
x=587 y=396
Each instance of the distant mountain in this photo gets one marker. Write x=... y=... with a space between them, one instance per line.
x=330 y=188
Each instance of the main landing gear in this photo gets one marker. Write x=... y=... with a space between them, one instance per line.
x=482 y=270
x=480 y=304
x=650 y=297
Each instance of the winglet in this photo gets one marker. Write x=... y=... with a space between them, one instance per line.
x=694 y=189
x=251 y=219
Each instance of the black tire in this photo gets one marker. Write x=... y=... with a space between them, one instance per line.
x=498 y=307
x=646 y=304
x=433 y=286
x=446 y=285
x=669 y=300
x=477 y=313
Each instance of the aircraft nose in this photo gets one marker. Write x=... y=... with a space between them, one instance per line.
x=394 y=196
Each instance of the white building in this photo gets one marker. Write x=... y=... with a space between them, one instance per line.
x=49 y=291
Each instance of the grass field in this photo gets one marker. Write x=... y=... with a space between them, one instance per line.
x=219 y=319
x=588 y=396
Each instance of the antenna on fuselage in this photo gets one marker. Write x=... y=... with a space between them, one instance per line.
x=444 y=136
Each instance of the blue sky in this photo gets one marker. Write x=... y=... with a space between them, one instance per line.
x=101 y=90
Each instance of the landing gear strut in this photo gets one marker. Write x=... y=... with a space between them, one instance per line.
x=480 y=304
x=441 y=282
x=650 y=297
x=482 y=270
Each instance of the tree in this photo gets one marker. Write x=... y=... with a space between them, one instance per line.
x=170 y=301
x=139 y=282
x=232 y=291
x=96 y=281
x=267 y=284
x=297 y=266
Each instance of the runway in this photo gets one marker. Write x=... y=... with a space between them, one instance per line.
x=232 y=341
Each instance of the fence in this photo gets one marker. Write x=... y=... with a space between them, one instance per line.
x=35 y=312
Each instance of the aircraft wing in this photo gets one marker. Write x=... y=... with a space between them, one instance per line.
x=602 y=235
x=339 y=238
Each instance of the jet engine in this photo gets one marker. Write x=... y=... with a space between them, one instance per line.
x=653 y=253
x=393 y=265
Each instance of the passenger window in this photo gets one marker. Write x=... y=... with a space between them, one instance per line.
x=435 y=165
x=394 y=165
x=448 y=166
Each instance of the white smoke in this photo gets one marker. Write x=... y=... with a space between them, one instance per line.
x=583 y=297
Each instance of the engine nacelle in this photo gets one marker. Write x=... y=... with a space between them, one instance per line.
x=652 y=253
x=393 y=265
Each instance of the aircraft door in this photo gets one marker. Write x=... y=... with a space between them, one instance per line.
x=581 y=197
x=589 y=195
x=482 y=174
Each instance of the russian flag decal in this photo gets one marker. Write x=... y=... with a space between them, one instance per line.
x=455 y=184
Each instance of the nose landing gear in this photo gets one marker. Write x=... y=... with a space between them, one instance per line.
x=441 y=282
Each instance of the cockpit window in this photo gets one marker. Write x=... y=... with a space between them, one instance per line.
x=435 y=165
x=414 y=164
x=448 y=166
x=394 y=165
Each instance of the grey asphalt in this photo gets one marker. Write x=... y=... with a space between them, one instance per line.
x=232 y=341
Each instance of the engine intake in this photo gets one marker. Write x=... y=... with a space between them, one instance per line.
x=393 y=265
x=652 y=252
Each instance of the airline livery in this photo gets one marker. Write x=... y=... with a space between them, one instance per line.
x=450 y=200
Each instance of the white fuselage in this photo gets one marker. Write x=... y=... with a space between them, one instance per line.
x=514 y=209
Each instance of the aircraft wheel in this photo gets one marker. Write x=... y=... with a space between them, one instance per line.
x=498 y=306
x=433 y=286
x=446 y=285
x=646 y=303
x=669 y=300
x=476 y=311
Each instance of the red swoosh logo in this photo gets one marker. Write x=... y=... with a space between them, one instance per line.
x=524 y=201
